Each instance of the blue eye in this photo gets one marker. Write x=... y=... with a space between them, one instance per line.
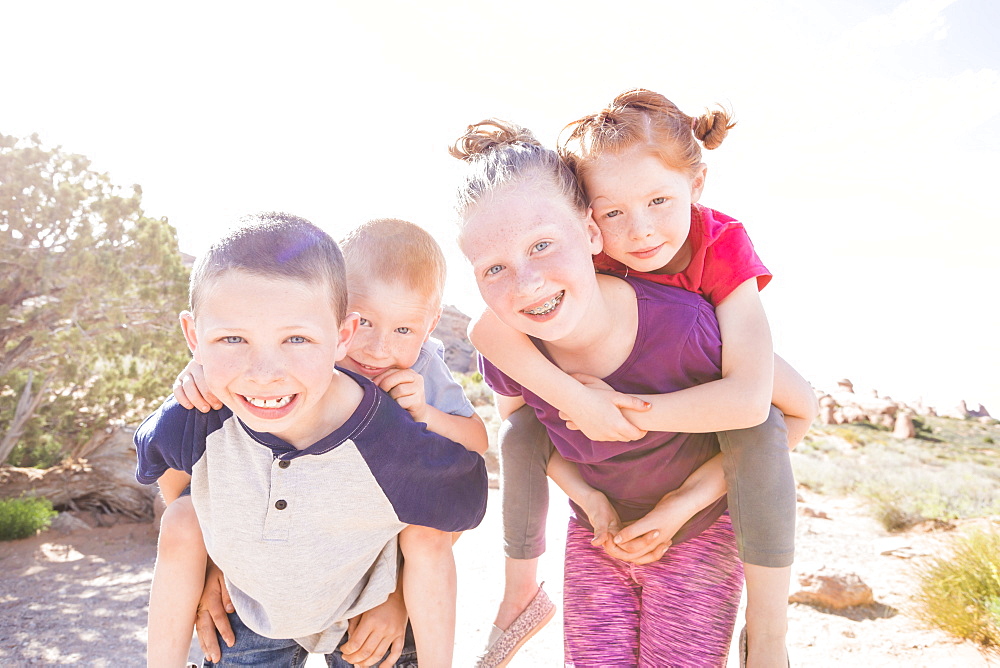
x=296 y=339
x=495 y=269
x=542 y=245
x=658 y=200
x=403 y=330
x=612 y=214
x=364 y=322
x=233 y=339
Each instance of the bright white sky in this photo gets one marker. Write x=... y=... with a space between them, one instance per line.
x=866 y=147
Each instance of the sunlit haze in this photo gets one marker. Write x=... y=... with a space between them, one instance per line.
x=863 y=165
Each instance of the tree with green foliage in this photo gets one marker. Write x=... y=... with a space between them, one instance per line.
x=90 y=289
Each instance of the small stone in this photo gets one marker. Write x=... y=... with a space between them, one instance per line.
x=811 y=512
x=65 y=523
x=829 y=589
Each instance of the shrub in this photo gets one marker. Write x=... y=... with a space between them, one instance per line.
x=960 y=593
x=20 y=518
x=902 y=486
x=476 y=389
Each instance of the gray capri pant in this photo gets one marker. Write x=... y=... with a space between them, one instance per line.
x=758 y=474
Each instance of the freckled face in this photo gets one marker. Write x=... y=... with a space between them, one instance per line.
x=643 y=209
x=395 y=323
x=532 y=254
x=270 y=359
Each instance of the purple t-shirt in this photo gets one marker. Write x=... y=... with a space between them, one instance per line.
x=677 y=346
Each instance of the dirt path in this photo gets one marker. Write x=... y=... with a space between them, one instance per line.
x=77 y=598
x=81 y=598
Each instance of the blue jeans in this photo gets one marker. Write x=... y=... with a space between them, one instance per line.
x=253 y=649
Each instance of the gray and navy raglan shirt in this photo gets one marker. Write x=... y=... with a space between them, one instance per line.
x=307 y=538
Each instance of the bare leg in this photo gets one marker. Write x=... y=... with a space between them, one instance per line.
x=767 y=615
x=178 y=579
x=520 y=587
x=762 y=506
x=430 y=590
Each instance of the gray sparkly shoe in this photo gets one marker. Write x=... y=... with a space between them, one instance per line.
x=502 y=645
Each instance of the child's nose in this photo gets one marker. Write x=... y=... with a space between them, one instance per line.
x=265 y=367
x=529 y=281
x=378 y=346
x=641 y=226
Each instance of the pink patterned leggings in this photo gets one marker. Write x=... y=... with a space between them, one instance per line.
x=676 y=612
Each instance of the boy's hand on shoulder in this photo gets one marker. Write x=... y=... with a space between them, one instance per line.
x=191 y=389
x=374 y=632
x=597 y=411
x=406 y=386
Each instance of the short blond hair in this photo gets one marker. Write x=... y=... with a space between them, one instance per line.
x=274 y=245
x=395 y=251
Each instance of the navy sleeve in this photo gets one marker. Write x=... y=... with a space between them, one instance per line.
x=173 y=438
x=430 y=480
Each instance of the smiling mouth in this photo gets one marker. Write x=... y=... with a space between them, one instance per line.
x=548 y=306
x=280 y=402
x=646 y=252
x=365 y=368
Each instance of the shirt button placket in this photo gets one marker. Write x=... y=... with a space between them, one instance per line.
x=277 y=523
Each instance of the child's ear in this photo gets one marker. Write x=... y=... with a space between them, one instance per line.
x=594 y=239
x=190 y=333
x=348 y=328
x=434 y=324
x=698 y=182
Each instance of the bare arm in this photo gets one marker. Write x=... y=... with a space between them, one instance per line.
x=172 y=483
x=741 y=398
x=597 y=414
x=468 y=431
x=602 y=515
x=796 y=399
x=507 y=405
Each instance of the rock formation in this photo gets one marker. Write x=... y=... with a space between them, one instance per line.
x=459 y=353
x=845 y=406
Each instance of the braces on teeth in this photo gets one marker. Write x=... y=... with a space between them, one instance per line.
x=547 y=306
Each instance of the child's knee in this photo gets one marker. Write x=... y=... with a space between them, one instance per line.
x=523 y=440
x=179 y=529
x=417 y=541
x=769 y=438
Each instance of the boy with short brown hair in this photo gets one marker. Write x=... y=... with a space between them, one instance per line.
x=305 y=477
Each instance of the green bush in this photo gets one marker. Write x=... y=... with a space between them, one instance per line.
x=20 y=518
x=960 y=593
x=476 y=389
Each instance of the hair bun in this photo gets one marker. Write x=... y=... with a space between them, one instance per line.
x=488 y=135
x=712 y=127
